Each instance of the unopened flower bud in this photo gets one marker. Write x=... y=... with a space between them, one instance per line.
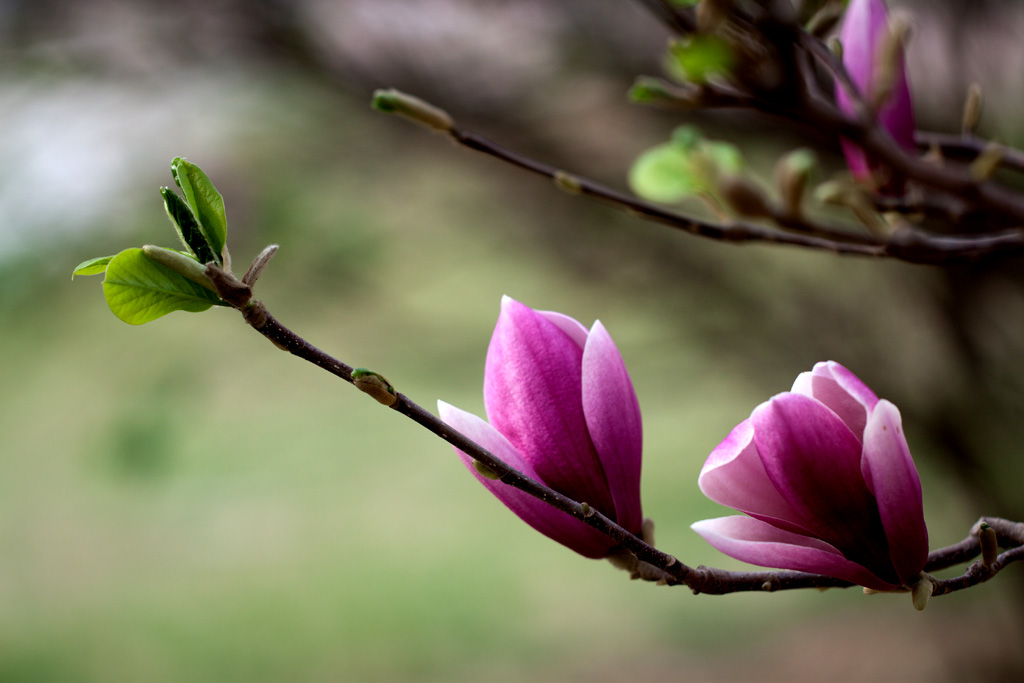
x=375 y=385
x=987 y=162
x=972 y=109
x=792 y=173
x=393 y=101
x=744 y=196
x=889 y=67
x=921 y=591
x=989 y=545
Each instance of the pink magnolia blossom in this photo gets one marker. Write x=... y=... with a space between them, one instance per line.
x=826 y=477
x=562 y=410
x=864 y=28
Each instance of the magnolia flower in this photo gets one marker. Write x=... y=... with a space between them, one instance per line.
x=562 y=411
x=864 y=31
x=826 y=476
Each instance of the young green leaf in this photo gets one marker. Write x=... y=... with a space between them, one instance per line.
x=187 y=227
x=696 y=58
x=205 y=201
x=139 y=289
x=686 y=165
x=93 y=266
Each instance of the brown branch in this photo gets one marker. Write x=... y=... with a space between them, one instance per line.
x=668 y=569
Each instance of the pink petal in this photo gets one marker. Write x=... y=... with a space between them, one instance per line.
x=751 y=540
x=734 y=475
x=814 y=461
x=863 y=27
x=549 y=521
x=840 y=390
x=572 y=327
x=890 y=473
x=613 y=418
x=533 y=395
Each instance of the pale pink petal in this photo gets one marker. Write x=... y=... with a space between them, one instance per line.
x=751 y=540
x=890 y=472
x=549 y=521
x=533 y=396
x=841 y=391
x=733 y=475
x=613 y=418
x=813 y=459
x=572 y=327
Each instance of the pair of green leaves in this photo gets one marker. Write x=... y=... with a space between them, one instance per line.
x=141 y=285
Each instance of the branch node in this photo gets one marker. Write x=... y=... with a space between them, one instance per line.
x=374 y=384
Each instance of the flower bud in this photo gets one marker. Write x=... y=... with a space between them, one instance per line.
x=873 y=56
x=393 y=101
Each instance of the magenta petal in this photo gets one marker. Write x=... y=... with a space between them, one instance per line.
x=549 y=521
x=840 y=390
x=613 y=418
x=814 y=461
x=533 y=396
x=863 y=29
x=735 y=476
x=572 y=327
x=890 y=472
x=751 y=540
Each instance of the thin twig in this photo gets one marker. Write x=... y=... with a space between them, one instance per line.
x=699 y=579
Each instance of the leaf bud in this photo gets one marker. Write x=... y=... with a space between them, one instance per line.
x=393 y=101
x=375 y=385
x=986 y=163
x=792 y=173
x=889 y=66
x=989 y=545
x=972 y=109
x=745 y=197
x=921 y=591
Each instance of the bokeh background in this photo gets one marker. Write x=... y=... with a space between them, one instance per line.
x=181 y=501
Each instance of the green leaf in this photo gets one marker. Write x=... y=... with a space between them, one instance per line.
x=696 y=58
x=187 y=227
x=206 y=203
x=139 y=290
x=663 y=174
x=93 y=266
x=685 y=166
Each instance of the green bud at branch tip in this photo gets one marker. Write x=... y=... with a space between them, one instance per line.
x=921 y=591
x=375 y=385
x=393 y=101
x=972 y=109
x=989 y=545
x=185 y=266
x=485 y=471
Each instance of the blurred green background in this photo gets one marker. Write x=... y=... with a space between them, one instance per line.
x=182 y=502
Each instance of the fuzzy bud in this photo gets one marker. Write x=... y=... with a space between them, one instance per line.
x=393 y=101
x=744 y=196
x=375 y=385
x=972 y=109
